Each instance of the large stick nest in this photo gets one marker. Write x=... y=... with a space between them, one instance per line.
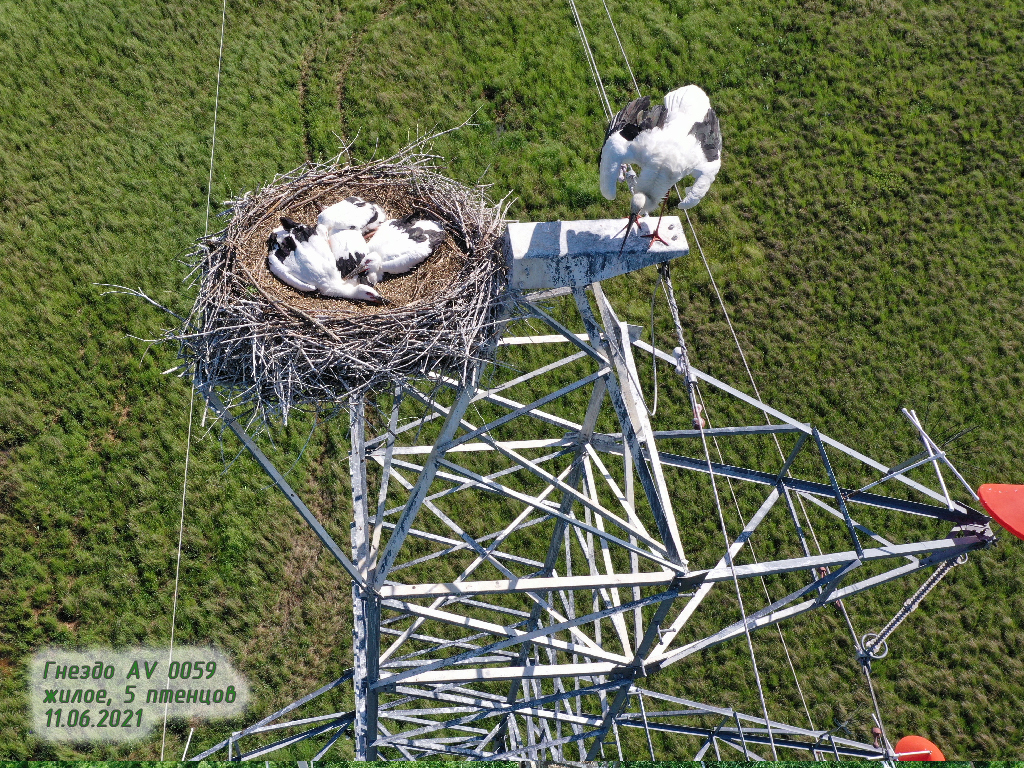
x=263 y=344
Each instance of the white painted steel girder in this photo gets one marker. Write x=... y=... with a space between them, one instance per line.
x=533 y=642
x=556 y=254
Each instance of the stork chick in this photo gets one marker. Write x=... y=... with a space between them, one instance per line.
x=351 y=213
x=401 y=244
x=311 y=265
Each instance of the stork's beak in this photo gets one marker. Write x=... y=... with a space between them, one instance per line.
x=630 y=223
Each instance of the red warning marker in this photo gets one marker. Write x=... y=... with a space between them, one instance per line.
x=917 y=748
x=1006 y=505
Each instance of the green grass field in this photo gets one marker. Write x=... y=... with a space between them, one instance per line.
x=865 y=231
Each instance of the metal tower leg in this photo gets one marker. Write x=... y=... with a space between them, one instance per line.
x=366 y=644
x=635 y=427
x=365 y=604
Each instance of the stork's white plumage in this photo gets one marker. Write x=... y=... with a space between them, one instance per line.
x=669 y=143
x=280 y=244
x=349 y=250
x=284 y=265
x=351 y=213
x=312 y=266
x=401 y=244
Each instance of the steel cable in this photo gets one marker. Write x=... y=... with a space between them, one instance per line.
x=192 y=396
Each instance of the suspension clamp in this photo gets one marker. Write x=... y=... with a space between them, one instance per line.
x=683 y=365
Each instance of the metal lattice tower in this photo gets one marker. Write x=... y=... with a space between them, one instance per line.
x=538 y=631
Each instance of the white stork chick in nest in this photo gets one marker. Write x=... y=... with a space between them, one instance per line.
x=281 y=244
x=669 y=143
x=350 y=251
x=351 y=213
x=401 y=244
x=305 y=262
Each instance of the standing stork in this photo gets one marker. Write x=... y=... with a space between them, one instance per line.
x=670 y=142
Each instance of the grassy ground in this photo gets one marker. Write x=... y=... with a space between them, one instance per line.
x=865 y=232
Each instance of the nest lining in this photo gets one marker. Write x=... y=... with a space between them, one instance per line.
x=262 y=343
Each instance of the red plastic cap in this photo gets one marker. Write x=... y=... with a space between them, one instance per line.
x=1006 y=505
x=918 y=747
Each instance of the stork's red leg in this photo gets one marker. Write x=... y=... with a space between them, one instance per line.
x=654 y=235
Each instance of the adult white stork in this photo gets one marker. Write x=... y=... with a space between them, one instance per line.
x=669 y=143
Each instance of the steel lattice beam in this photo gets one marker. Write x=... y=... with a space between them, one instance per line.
x=541 y=658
